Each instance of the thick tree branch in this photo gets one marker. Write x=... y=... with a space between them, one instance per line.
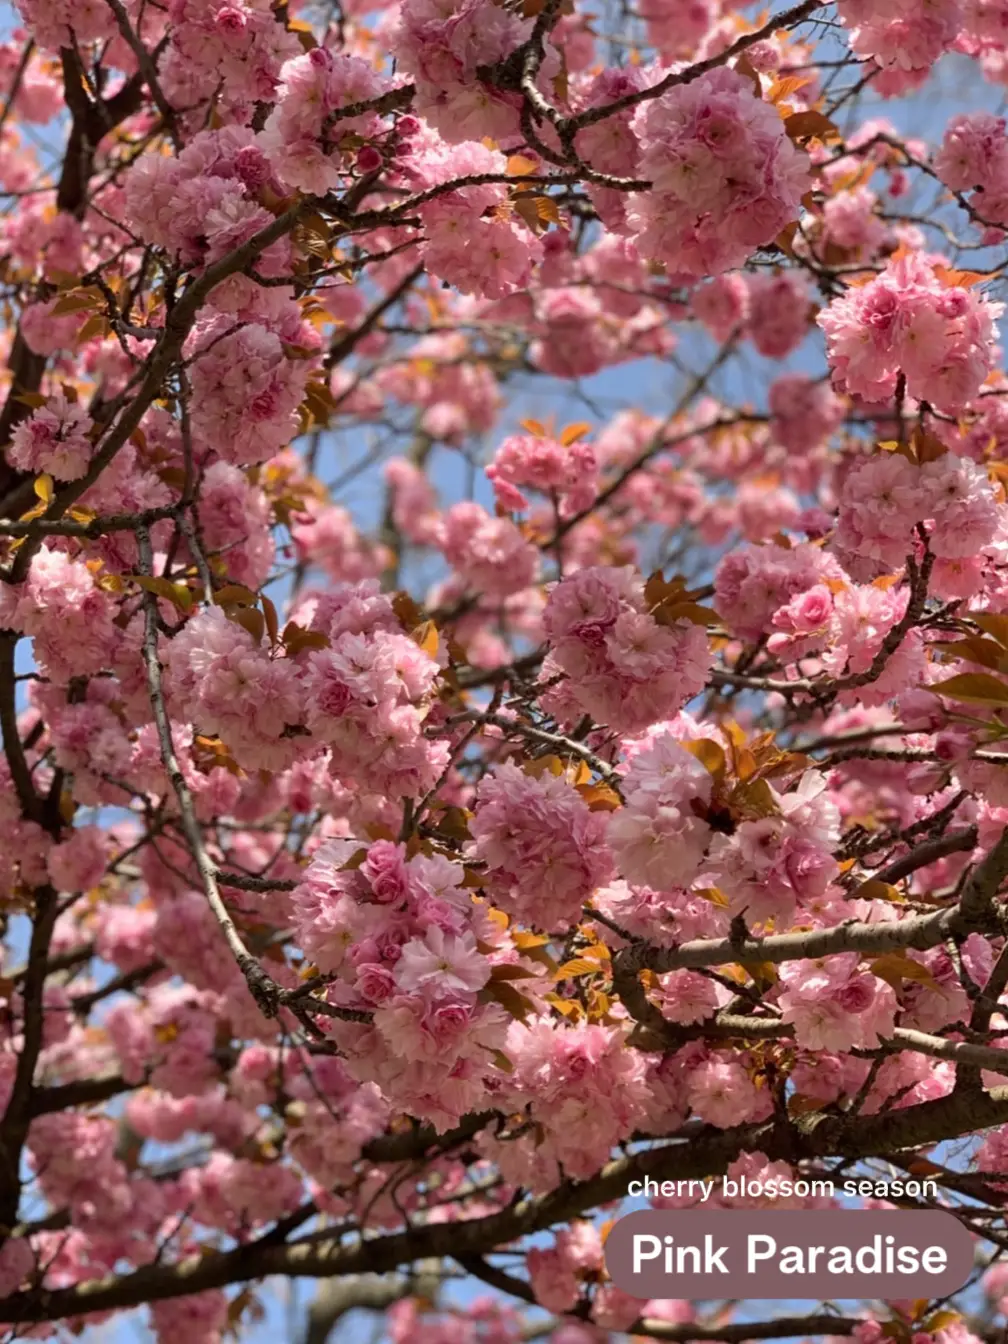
x=17 y=1117
x=789 y=1140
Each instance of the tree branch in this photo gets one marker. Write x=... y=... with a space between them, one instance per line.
x=791 y=1140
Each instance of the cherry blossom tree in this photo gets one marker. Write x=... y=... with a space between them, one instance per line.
x=421 y=820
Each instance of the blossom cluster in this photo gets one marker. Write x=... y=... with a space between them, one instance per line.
x=908 y=327
x=618 y=663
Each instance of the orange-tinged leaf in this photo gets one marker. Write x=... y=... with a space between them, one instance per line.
x=765 y=973
x=738 y=974
x=927 y=447
x=508 y=997
x=77 y=302
x=784 y=86
x=670 y=612
x=43 y=487
x=959 y=279
x=407 y=612
x=523 y=940
x=886 y=581
x=574 y=432
x=453 y=823
x=295 y=639
x=806 y=125
x=802 y=1105
x=497 y=917
x=746 y=764
x=303 y=33
x=542 y=765
x=600 y=797
x=754 y=798
x=541 y=957
x=659 y=590
x=318 y=405
x=272 y=620
x=940 y=1320
x=426 y=636
x=785 y=239
x=715 y=896
x=577 y=966
x=874 y=890
x=894 y=968
x=993 y=623
x=788 y=763
x=502 y=1061
x=709 y=754
x=519 y=166
x=530 y=8
x=297 y=351
x=735 y=734
x=895 y=446
x=235 y=594
x=94 y=326
x=973 y=688
x=976 y=650
x=745 y=67
x=895 y=1330
x=377 y=830
x=535 y=427
x=63 y=280
x=857 y=177
x=921 y=1166
x=527 y=206
x=597 y=951
x=547 y=210
x=598 y=1006
x=173 y=476
x=176 y=593
x=512 y=972
x=33 y=399
x=250 y=619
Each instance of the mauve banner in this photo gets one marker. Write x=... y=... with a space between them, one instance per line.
x=814 y=1253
